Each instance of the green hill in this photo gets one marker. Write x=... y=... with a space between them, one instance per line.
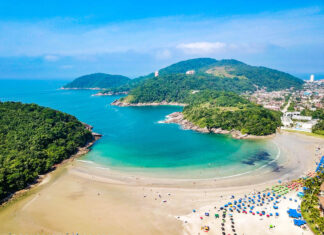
x=97 y=80
x=32 y=140
x=230 y=111
x=173 y=84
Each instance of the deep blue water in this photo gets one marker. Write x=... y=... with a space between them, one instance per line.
x=134 y=140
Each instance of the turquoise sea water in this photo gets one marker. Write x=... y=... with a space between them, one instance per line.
x=133 y=140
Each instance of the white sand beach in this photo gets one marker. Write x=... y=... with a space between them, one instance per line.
x=83 y=198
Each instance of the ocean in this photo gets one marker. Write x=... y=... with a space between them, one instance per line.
x=134 y=140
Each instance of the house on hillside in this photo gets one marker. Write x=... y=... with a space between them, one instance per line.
x=190 y=72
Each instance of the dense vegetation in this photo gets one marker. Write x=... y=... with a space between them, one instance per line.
x=227 y=75
x=32 y=140
x=319 y=128
x=98 y=80
x=291 y=107
x=317 y=114
x=178 y=87
x=230 y=111
x=309 y=205
x=173 y=84
x=265 y=77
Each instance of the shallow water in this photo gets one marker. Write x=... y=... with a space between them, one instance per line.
x=133 y=140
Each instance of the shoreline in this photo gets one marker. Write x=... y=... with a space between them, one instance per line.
x=150 y=205
x=163 y=103
x=40 y=180
x=178 y=118
x=110 y=93
x=75 y=88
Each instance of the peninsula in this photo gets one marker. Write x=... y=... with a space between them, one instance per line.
x=213 y=93
x=97 y=81
x=33 y=140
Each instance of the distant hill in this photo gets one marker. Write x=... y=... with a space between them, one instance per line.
x=174 y=85
x=97 y=80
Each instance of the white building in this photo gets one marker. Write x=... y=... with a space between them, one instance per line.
x=286 y=121
x=156 y=73
x=290 y=114
x=190 y=72
x=311 y=79
x=301 y=118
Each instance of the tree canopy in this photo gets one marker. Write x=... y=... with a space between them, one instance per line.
x=230 y=111
x=32 y=140
x=98 y=80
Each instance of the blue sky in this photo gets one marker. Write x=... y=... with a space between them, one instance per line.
x=66 y=39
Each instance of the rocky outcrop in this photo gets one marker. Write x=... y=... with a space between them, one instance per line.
x=124 y=104
x=178 y=118
x=95 y=135
x=76 y=88
x=110 y=93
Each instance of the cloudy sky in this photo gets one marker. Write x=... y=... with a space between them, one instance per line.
x=65 y=39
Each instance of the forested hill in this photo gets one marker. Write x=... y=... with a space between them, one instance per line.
x=230 y=111
x=32 y=140
x=173 y=83
x=98 y=80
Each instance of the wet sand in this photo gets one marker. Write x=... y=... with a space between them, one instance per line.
x=81 y=197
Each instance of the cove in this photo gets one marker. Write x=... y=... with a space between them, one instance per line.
x=134 y=140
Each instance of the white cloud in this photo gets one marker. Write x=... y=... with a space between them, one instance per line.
x=66 y=66
x=202 y=47
x=51 y=58
x=163 y=54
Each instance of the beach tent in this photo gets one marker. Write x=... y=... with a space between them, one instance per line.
x=299 y=222
x=293 y=213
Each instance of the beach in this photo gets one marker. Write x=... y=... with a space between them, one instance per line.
x=87 y=198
